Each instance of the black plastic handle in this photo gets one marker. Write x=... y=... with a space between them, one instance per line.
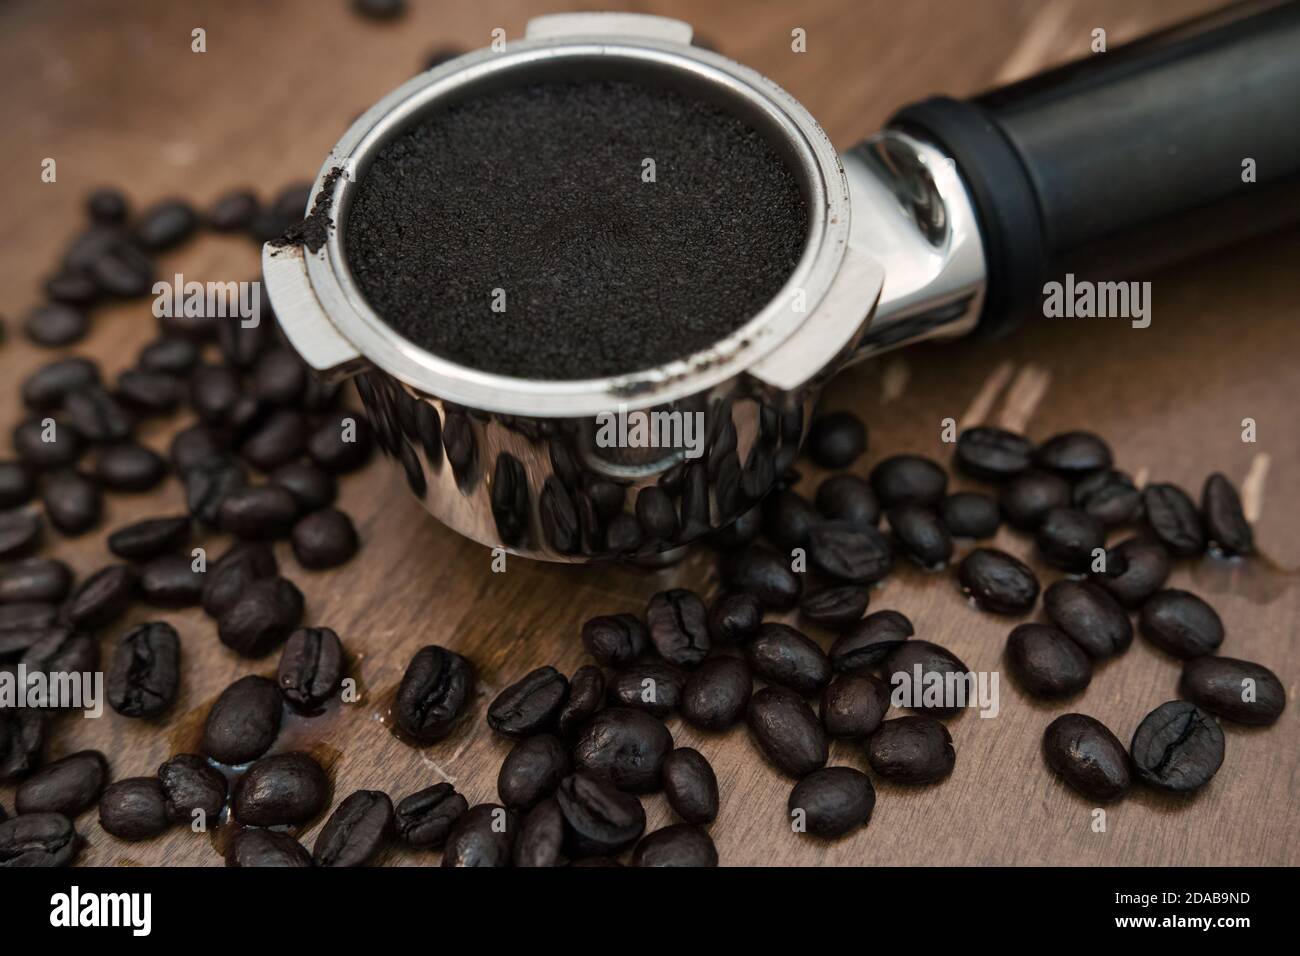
x=1131 y=159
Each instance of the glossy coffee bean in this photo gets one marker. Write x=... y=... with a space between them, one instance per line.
x=967 y=514
x=1046 y=663
x=679 y=845
x=134 y=808
x=171 y=581
x=145 y=670
x=734 y=618
x=832 y=801
x=1026 y=499
x=787 y=731
x=434 y=693
x=277 y=441
x=912 y=750
x=73 y=502
x=530 y=705
x=1226 y=526
x=195 y=446
x=258 y=512
x=169 y=355
x=541 y=836
x=676 y=621
x=1087 y=756
x=1236 y=690
x=380 y=9
x=210 y=482
x=96 y=415
x=1181 y=623
x=921 y=534
x=103 y=597
x=22 y=740
x=1135 y=569
x=779 y=654
x=483 y=836
x=28 y=615
x=356 y=831
x=342 y=443
x=66 y=786
x=195 y=791
x=37 y=839
x=150 y=538
x=61 y=650
x=848 y=499
x=425 y=818
x=788 y=519
x=324 y=539
x=313 y=487
x=233 y=211
x=34 y=579
x=600 y=819
x=717 y=693
x=107 y=206
x=655 y=514
x=938 y=666
x=1174 y=519
x=17 y=485
x=853 y=705
x=1068 y=537
x=868 y=642
x=856 y=555
x=255 y=847
x=691 y=786
x=626 y=746
x=311 y=668
x=836 y=607
x=1177 y=747
x=764 y=574
x=532 y=770
x=166 y=224
x=1089 y=616
x=244 y=721
x=56 y=324
x=214 y=392
x=129 y=467
x=653 y=686
x=261 y=618
x=47 y=444
x=908 y=480
x=586 y=697
x=998 y=582
x=48 y=387
x=148 y=393
x=280 y=789
x=992 y=454
x=1073 y=454
x=280 y=378
x=242 y=564
x=1109 y=496
x=615 y=640
x=20 y=531
x=837 y=439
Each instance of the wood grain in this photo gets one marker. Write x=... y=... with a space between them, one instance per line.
x=113 y=93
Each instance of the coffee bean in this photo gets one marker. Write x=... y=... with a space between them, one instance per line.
x=107 y=206
x=145 y=670
x=38 y=839
x=541 y=836
x=998 y=582
x=1046 y=663
x=921 y=535
x=311 y=668
x=243 y=722
x=380 y=9
x=559 y=517
x=967 y=514
x=34 y=579
x=530 y=705
x=194 y=446
x=509 y=498
x=195 y=791
x=209 y=482
x=324 y=539
x=679 y=845
x=57 y=324
x=61 y=650
x=233 y=211
x=313 y=488
x=1174 y=519
x=992 y=454
x=1026 y=499
x=848 y=499
x=434 y=693
x=1067 y=538
x=277 y=441
x=586 y=696
x=148 y=393
x=908 y=480
x=532 y=770
x=127 y=466
x=342 y=443
x=103 y=597
x=1181 y=623
x=261 y=618
x=214 y=392
x=425 y=818
x=169 y=355
x=149 y=538
x=782 y=655
x=241 y=344
x=1177 y=747
x=280 y=789
x=244 y=563
x=626 y=746
x=857 y=555
x=1073 y=454
x=61 y=450
x=837 y=439
x=912 y=750
x=166 y=224
x=483 y=836
x=717 y=693
x=134 y=808
x=47 y=387
x=171 y=581
x=853 y=705
x=28 y=615
x=1135 y=569
x=259 y=512
x=1109 y=496
x=764 y=574
x=96 y=415
x=356 y=831
x=66 y=786
x=600 y=820
x=676 y=620
x=869 y=641
x=1087 y=755
x=788 y=519
x=254 y=847
x=1225 y=523
x=614 y=640
x=1240 y=691
x=1089 y=616
x=653 y=686
x=787 y=731
x=926 y=664
x=22 y=739
x=833 y=801
x=691 y=786
x=73 y=502
x=836 y=607
x=20 y=531
x=734 y=618
x=656 y=514
x=17 y=485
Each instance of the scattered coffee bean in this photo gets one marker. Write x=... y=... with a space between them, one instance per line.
x=258 y=512
x=280 y=378
x=66 y=786
x=148 y=393
x=1181 y=623
x=765 y=575
x=425 y=818
x=166 y=224
x=314 y=488
x=1067 y=538
x=171 y=581
x=149 y=538
x=277 y=441
x=311 y=668
x=788 y=519
x=46 y=444
x=676 y=621
x=541 y=836
x=56 y=324
x=22 y=738
x=38 y=839
x=913 y=750
x=48 y=387
x=107 y=206
x=787 y=731
x=870 y=641
x=1026 y=499
x=992 y=454
x=194 y=789
x=1089 y=616
x=1046 y=663
x=209 y=482
x=96 y=415
x=601 y=820
x=194 y=446
x=530 y=705
x=434 y=693
x=1225 y=523
x=324 y=539
x=679 y=845
x=782 y=655
x=255 y=847
x=28 y=615
x=717 y=693
x=653 y=686
x=243 y=722
x=1109 y=496
x=615 y=640
x=1174 y=519
x=17 y=485
x=1135 y=569
x=655 y=513
x=853 y=705
x=214 y=392
x=380 y=9
x=356 y=830
x=968 y=514
x=244 y=563
x=73 y=502
x=857 y=555
x=836 y=607
x=103 y=597
x=1177 y=747
x=1073 y=454
x=129 y=467
x=145 y=670
x=261 y=618
x=483 y=836
x=586 y=696
x=20 y=530
x=532 y=770
x=691 y=786
x=1240 y=691
x=342 y=443
x=280 y=789
x=998 y=582
x=908 y=480
x=34 y=579
x=626 y=746
x=1087 y=755
x=925 y=665
x=134 y=808
x=734 y=618
x=921 y=535
x=169 y=355
x=61 y=650
x=233 y=211
x=848 y=499
x=833 y=801
x=837 y=439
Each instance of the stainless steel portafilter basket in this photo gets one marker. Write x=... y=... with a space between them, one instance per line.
x=951 y=218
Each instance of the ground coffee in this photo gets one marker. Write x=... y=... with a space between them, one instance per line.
x=541 y=192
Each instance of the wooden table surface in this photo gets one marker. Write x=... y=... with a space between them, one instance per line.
x=114 y=94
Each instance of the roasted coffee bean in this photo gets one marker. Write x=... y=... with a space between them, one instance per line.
x=734 y=618
x=243 y=722
x=1046 y=663
x=1135 y=569
x=764 y=574
x=483 y=836
x=214 y=392
x=283 y=788
x=195 y=791
x=73 y=502
x=1225 y=523
x=1087 y=756
x=1181 y=623
x=1067 y=538
x=848 y=499
x=586 y=696
x=46 y=444
x=169 y=355
x=510 y=498
x=1073 y=454
x=622 y=535
x=22 y=738
x=134 y=808
x=653 y=686
x=434 y=693
x=1237 y=690
x=62 y=650
x=967 y=514
x=243 y=563
x=66 y=786
x=425 y=818
x=311 y=668
x=836 y=607
x=261 y=618
x=1177 y=747
x=255 y=847
x=676 y=621
x=20 y=531
x=1026 y=499
x=992 y=454
x=541 y=836
x=314 y=488
x=356 y=831
x=34 y=579
x=194 y=446
x=868 y=642
x=380 y=9
x=96 y=415
x=1109 y=496
x=615 y=640
x=626 y=746
x=998 y=582
x=921 y=535
x=17 y=485
x=127 y=466
x=324 y=539
x=532 y=770
x=107 y=206
x=207 y=485
x=530 y=705
x=853 y=705
x=600 y=819
x=914 y=750
x=782 y=655
x=103 y=597
x=833 y=801
x=837 y=440
x=166 y=224
x=691 y=786
x=280 y=378
x=925 y=664
x=559 y=516
x=57 y=324
x=233 y=211
x=679 y=845
x=1174 y=519
x=788 y=519
x=909 y=480
x=787 y=731
x=145 y=670
x=149 y=538
x=656 y=514
x=47 y=387
x=38 y=839
x=1090 y=617
x=277 y=441
x=149 y=393
x=717 y=693
x=171 y=581
x=857 y=555
x=342 y=443
x=258 y=512
x=28 y=615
